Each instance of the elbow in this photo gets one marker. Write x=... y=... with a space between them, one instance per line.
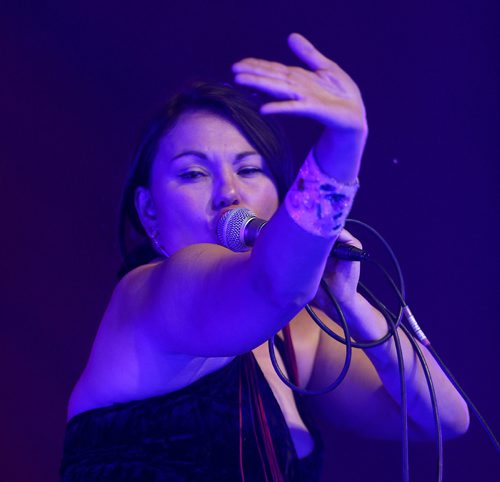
x=453 y=423
x=290 y=299
x=287 y=302
x=457 y=423
x=285 y=296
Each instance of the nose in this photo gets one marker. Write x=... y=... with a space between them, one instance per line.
x=226 y=192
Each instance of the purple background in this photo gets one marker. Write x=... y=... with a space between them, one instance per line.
x=77 y=81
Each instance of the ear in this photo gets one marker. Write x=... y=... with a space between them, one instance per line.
x=146 y=210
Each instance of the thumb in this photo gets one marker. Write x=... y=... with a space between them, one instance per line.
x=307 y=52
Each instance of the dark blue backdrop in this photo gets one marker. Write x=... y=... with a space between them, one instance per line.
x=79 y=78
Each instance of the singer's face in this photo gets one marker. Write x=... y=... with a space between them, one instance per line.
x=205 y=166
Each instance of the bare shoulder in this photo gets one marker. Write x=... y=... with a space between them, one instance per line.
x=126 y=363
x=188 y=294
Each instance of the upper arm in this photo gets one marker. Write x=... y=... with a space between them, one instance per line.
x=208 y=301
x=205 y=300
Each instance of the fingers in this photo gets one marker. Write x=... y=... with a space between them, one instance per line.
x=250 y=69
x=276 y=87
x=273 y=78
x=270 y=77
x=283 y=107
x=301 y=47
x=307 y=52
x=313 y=58
x=347 y=238
x=261 y=67
x=320 y=65
x=323 y=92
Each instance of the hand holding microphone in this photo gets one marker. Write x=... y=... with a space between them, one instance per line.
x=239 y=228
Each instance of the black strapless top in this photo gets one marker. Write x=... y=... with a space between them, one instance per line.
x=191 y=434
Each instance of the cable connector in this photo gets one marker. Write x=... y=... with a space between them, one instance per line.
x=415 y=326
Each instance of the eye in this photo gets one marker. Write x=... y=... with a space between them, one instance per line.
x=192 y=175
x=249 y=171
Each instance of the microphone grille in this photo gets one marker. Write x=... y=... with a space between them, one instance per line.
x=231 y=228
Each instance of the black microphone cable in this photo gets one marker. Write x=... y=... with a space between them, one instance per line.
x=435 y=406
x=393 y=323
x=392 y=332
x=396 y=322
x=348 y=352
x=418 y=332
x=427 y=374
x=233 y=232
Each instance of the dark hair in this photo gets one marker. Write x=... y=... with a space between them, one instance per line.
x=231 y=103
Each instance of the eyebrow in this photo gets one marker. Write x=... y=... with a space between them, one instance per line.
x=203 y=156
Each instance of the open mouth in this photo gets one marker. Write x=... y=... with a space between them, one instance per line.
x=218 y=216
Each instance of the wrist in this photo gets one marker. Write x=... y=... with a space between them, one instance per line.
x=355 y=305
x=365 y=322
x=319 y=203
x=339 y=153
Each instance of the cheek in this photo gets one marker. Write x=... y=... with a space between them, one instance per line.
x=272 y=208
x=269 y=200
x=181 y=205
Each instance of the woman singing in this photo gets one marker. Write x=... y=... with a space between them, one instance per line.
x=179 y=385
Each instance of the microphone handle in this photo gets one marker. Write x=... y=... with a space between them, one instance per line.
x=342 y=251
x=252 y=230
x=348 y=253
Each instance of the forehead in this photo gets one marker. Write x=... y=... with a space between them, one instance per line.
x=203 y=131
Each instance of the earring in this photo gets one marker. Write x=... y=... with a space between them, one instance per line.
x=156 y=244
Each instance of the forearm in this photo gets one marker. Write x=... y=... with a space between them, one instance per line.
x=366 y=324
x=288 y=261
x=291 y=235
x=332 y=145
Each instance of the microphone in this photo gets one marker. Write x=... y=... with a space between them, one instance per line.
x=238 y=229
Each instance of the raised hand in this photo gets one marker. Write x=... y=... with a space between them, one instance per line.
x=323 y=92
